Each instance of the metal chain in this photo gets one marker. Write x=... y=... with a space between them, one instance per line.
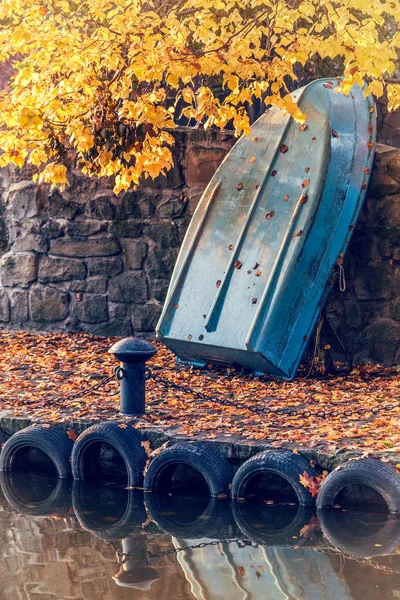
x=122 y=557
x=342 y=278
x=290 y=411
x=369 y=561
x=86 y=391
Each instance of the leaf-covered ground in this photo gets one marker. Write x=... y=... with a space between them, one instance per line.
x=39 y=372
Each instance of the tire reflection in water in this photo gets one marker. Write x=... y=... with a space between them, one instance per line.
x=36 y=494
x=268 y=552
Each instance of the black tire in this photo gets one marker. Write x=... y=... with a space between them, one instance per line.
x=360 y=534
x=50 y=440
x=208 y=462
x=22 y=495
x=212 y=520
x=96 y=506
x=272 y=525
x=286 y=465
x=366 y=472
x=126 y=441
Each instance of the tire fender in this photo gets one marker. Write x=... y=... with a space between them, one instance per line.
x=51 y=440
x=369 y=472
x=210 y=463
x=126 y=441
x=287 y=465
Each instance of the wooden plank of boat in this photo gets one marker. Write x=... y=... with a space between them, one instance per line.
x=277 y=216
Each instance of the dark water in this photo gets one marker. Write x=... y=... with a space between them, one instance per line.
x=61 y=541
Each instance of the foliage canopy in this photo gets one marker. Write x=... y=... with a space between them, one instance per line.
x=104 y=83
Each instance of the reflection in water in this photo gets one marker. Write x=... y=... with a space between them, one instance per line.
x=99 y=543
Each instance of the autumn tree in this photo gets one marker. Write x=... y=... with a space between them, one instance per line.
x=104 y=83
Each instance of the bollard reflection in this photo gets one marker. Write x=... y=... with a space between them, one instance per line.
x=135 y=571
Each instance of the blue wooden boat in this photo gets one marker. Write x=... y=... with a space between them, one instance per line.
x=254 y=267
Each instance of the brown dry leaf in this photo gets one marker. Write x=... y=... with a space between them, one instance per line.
x=241 y=571
x=147 y=448
x=303 y=127
x=71 y=434
x=253 y=159
x=270 y=215
x=284 y=148
x=123 y=426
x=286 y=198
x=335 y=133
x=238 y=264
x=305 y=183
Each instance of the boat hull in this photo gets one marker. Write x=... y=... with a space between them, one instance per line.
x=254 y=267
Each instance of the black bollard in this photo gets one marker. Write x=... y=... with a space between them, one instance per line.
x=132 y=354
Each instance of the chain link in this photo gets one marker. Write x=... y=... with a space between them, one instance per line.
x=365 y=561
x=122 y=557
x=103 y=381
x=289 y=411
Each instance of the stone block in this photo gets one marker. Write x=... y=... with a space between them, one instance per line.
x=134 y=253
x=90 y=308
x=100 y=208
x=85 y=228
x=18 y=269
x=109 y=267
x=130 y=286
x=47 y=304
x=201 y=164
x=84 y=247
x=145 y=318
x=4 y=307
x=53 y=269
x=3 y=235
x=159 y=263
x=395 y=309
x=53 y=228
x=364 y=244
x=354 y=317
x=173 y=207
x=165 y=234
x=31 y=242
x=135 y=205
x=159 y=288
x=397 y=281
x=60 y=207
x=393 y=167
x=19 y=306
x=128 y=228
x=22 y=200
x=374 y=281
x=381 y=341
x=382 y=184
x=92 y=285
x=388 y=212
x=119 y=321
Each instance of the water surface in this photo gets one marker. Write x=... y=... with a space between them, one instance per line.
x=62 y=541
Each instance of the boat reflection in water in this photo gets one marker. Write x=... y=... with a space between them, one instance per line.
x=62 y=541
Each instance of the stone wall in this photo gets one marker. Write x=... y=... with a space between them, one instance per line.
x=86 y=260
x=367 y=315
